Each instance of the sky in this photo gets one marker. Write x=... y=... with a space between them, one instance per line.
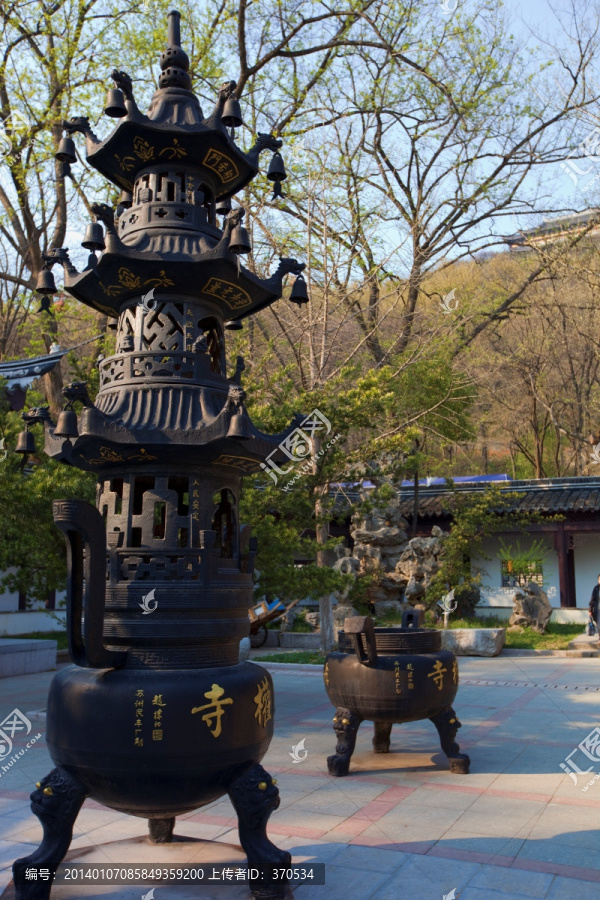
x=534 y=21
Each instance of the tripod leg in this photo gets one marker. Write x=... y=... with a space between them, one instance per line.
x=447 y=725
x=345 y=725
x=254 y=797
x=56 y=802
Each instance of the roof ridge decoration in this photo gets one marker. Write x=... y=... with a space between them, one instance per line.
x=174 y=61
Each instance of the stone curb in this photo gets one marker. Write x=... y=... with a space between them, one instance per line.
x=63 y=656
x=311 y=669
x=305 y=668
x=571 y=654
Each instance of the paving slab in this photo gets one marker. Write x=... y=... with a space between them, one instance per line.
x=400 y=826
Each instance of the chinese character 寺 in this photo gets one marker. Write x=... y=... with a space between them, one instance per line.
x=216 y=705
x=438 y=674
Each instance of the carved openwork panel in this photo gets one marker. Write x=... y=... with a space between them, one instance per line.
x=159 y=512
x=193 y=366
x=149 y=365
x=224 y=523
x=166 y=328
x=112 y=370
x=172 y=187
x=162 y=328
x=163 y=567
x=113 y=503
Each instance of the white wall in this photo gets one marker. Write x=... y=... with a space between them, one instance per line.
x=9 y=601
x=26 y=622
x=497 y=600
x=494 y=594
x=587 y=566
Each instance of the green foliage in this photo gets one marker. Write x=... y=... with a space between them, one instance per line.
x=301 y=625
x=32 y=549
x=306 y=657
x=476 y=515
x=61 y=637
x=522 y=560
x=283 y=524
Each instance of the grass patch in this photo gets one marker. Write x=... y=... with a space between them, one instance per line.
x=302 y=626
x=312 y=657
x=59 y=636
x=556 y=637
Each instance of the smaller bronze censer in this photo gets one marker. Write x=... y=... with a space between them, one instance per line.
x=389 y=676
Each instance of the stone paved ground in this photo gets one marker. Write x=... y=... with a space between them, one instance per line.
x=400 y=826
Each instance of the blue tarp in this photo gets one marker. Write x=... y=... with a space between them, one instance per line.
x=430 y=482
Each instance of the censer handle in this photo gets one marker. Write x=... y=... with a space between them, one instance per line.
x=83 y=529
x=357 y=626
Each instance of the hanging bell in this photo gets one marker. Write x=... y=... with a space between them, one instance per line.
x=238 y=427
x=223 y=207
x=25 y=443
x=115 y=104
x=66 y=425
x=299 y=293
x=239 y=242
x=277 y=174
x=233 y=325
x=94 y=237
x=232 y=113
x=45 y=282
x=66 y=151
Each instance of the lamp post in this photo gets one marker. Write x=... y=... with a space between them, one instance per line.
x=157 y=717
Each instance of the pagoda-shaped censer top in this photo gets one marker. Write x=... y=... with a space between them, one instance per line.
x=168 y=433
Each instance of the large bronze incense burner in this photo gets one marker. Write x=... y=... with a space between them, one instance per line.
x=157 y=716
x=389 y=676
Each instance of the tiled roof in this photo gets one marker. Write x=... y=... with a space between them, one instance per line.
x=545 y=495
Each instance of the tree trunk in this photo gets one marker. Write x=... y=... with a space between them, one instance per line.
x=322 y=534
x=52 y=381
x=415 y=517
